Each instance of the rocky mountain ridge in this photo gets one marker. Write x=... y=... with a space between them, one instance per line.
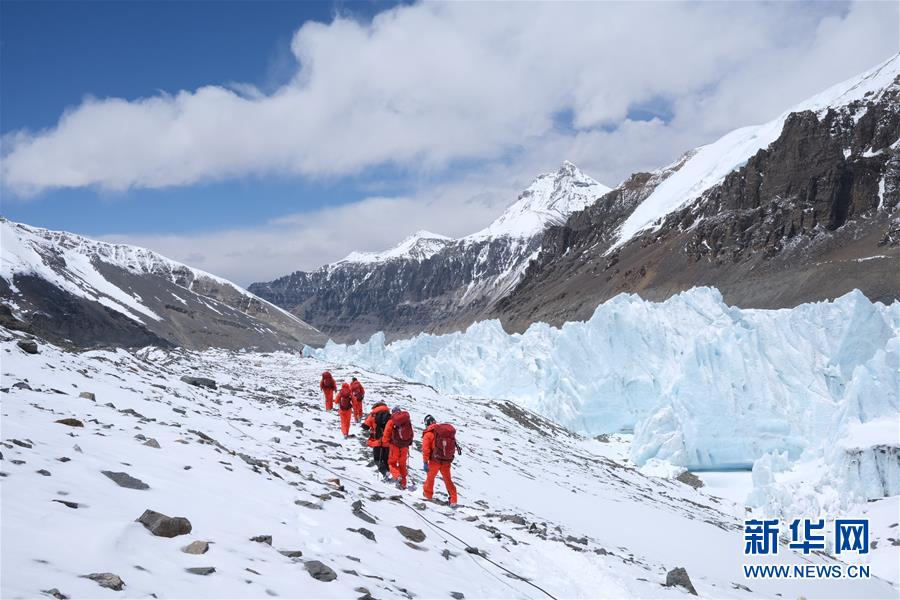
x=87 y=293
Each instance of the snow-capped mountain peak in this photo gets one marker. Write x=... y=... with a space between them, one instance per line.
x=549 y=200
x=419 y=246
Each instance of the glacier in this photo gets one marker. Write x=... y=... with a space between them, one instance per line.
x=703 y=385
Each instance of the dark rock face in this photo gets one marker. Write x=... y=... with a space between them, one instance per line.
x=811 y=217
x=126 y=481
x=163 y=526
x=678 y=576
x=445 y=292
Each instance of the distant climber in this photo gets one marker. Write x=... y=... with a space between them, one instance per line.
x=328 y=387
x=438 y=450
x=345 y=406
x=358 y=392
x=398 y=436
x=375 y=424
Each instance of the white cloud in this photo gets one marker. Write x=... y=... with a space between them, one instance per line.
x=434 y=85
x=424 y=85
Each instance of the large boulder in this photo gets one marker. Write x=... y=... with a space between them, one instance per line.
x=28 y=346
x=107 y=580
x=200 y=381
x=679 y=576
x=413 y=535
x=320 y=571
x=163 y=526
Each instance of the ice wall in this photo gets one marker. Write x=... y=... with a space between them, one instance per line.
x=701 y=383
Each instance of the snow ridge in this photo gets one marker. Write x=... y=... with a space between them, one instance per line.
x=710 y=164
x=67 y=260
x=419 y=246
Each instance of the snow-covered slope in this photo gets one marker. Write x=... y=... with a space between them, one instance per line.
x=702 y=384
x=154 y=294
x=418 y=246
x=711 y=163
x=258 y=457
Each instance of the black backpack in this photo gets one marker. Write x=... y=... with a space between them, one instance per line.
x=381 y=419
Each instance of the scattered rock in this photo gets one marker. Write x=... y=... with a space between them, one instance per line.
x=307 y=504
x=252 y=571
x=88 y=396
x=28 y=346
x=77 y=448
x=21 y=444
x=126 y=481
x=66 y=502
x=107 y=580
x=678 y=576
x=416 y=547
x=163 y=526
x=457 y=595
x=196 y=547
x=420 y=505
x=55 y=593
x=361 y=513
x=447 y=554
x=298 y=423
x=366 y=533
x=21 y=385
x=690 y=479
x=63 y=459
x=200 y=381
x=152 y=443
x=291 y=553
x=262 y=539
x=413 y=535
x=44 y=472
x=320 y=571
x=201 y=570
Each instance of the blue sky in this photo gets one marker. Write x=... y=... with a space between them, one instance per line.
x=252 y=139
x=55 y=53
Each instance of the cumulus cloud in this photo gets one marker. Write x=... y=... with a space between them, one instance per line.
x=429 y=85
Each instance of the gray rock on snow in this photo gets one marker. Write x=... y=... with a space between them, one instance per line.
x=201 y=570
x=413 y=535
x=126 y=481
x=679 y=576
x=196 y=547
x=457 y=595
x=55 y=593
x=308 y=504
x=107 y=580
x=70 y=422
x=152 y=443
x=28 y=346
x=262 y=539
x=366 y=533
x=320 y=571
x=200 y=381
x=163 y=526
x=690 y=479
x=291 y=553
x=88 y=396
